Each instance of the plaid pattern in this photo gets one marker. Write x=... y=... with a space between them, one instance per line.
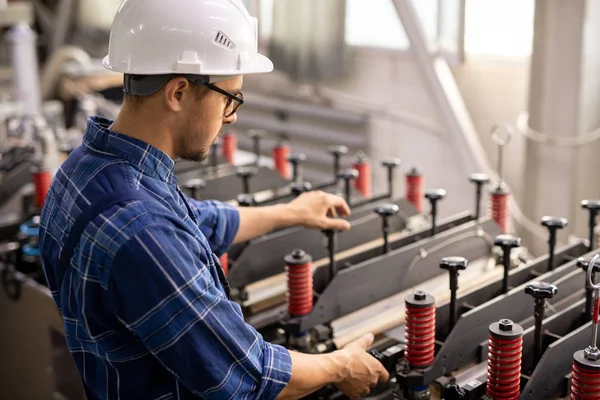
x=145 y=314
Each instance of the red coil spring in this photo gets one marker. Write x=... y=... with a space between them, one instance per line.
x=415 y=190
x=41 y=181
x=499 y=210
x=420 y=336
x=224 y=259
x=280 y=154
x=585 y=383
x=363 y=181
x=300 y=289
x=229 y=146
x=504 y=368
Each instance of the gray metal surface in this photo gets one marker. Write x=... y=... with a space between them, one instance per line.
x=493 y=289
x=381 y=277
x=463 y=343
x=263 y=258
x=549 y=378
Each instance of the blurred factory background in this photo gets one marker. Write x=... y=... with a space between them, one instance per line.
x=426 y=81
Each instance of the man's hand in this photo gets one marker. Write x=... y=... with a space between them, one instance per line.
x=320 y=210
x=362 y=371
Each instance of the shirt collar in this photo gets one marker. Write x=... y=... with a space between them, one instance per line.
x=144 y=156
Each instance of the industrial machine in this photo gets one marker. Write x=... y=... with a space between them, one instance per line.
x=492 y=339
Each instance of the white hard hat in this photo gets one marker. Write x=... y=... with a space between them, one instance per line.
x=213 y=38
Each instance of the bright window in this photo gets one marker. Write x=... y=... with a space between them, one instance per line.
x=375 y=23
x=501 y=28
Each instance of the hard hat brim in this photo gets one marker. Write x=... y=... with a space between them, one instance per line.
x=260 y=65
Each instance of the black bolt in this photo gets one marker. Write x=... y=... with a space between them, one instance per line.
x=256 y=135
x=453 y=265
x=194 y=185
x=246 y=173
x=391 y=164
x=592 y=206
x=331 y=248
x=337 y=152
x=296 y=160
x=298 y=188
x=507 y=243
x=505 y=325
x=419 y=295
x=434 y=196
x=479 y=179
x=245 y=200
x=584 y=264
x=348 y=175
x=385 y=211
x=540 y=291
x=553 y=224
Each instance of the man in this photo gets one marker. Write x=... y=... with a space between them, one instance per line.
x=132 y=262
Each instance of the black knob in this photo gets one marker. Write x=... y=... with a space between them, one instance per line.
x=337 y=152
x=454 y=263
x=246 y=173
x=348 y=175
x=434 y=196
x=479 y=178
x=391 y=164
x=584 y=263
x=296 y=160
x=386 y=210
x=507 y=243
x=298 y=188
x=592 y=206
x=194 y=185
x=245 y=200
x=541 y=290
x=553 y=224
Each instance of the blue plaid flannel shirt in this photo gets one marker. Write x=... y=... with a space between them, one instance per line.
x=145 y=315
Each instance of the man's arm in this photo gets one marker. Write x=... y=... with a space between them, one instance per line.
x=162 y=290
x=316 y=209
x=165 y=295
x=223 y=224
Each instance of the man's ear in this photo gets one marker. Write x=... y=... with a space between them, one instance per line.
x=175 y=91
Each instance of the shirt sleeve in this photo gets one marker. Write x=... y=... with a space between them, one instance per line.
x=219 y=222
x=163 y=291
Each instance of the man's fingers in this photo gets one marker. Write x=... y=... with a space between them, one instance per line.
x=365 y=341
x=337 y=224
x=339 y=204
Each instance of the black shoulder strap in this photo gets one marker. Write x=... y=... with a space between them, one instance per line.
x=89 y=213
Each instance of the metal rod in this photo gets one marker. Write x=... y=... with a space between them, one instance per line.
x=386 y=232
x=537 y=341
x=592 y=352
x=506 y=265
x=433 y=218
x=478 y=202
x=453 y=290
x=552 y=245
x=390 y=178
